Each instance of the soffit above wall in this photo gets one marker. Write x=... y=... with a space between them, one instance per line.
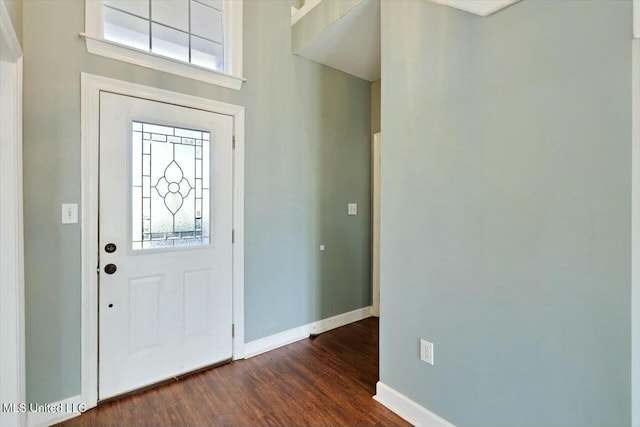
x=345 y=35
x=350 y=43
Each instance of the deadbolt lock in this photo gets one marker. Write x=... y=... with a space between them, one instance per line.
x=110 y=268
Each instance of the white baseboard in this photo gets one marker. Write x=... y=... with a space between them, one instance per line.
x=56 y=412
x=327 y=324
x=262 y=345
x=407 y=408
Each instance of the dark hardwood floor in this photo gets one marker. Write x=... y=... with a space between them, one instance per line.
x=325 y=381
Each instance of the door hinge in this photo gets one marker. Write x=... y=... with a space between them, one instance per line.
x=233 y=139
x=233 y=330
x=233 y=236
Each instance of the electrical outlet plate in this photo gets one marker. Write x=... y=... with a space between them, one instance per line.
x=352 y=209
x=426 y=351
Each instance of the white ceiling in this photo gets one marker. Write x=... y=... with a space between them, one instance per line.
x=478 y=7
x=351 y=44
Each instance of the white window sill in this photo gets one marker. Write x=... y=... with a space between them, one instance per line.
x=119 y=52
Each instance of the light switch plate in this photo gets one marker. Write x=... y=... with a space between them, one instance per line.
x=69 y=213
x=352 y=209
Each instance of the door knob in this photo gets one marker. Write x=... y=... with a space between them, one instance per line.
x=110 y=248
x=110 y=268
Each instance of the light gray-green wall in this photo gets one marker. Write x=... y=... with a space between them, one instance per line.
x=14 y=8
x=506 y=224
x=307 y=156
x=375 y=106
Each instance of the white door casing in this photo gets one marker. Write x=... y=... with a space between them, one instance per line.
x=375 y=175
x=166 y=310
x=12 y=353
x=92 y=87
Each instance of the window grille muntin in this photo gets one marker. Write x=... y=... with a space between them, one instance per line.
x=191 y=31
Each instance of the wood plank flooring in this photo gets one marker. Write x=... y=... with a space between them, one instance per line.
x=325 y=381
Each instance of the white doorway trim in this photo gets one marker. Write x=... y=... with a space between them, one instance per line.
x=91 y=86
x=375 y=223
x=635 y=233
x=12 y=325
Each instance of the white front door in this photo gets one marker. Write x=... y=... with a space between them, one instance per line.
x=165 y=298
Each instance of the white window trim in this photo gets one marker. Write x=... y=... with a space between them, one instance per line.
x=231 y=78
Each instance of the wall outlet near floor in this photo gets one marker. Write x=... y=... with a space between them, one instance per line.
x=352 y=208
x=426 y=351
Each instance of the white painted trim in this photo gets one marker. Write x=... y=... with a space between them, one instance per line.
x=278 y=340
x=89 y=134
x=56 y=412
x=281 y=339
x=298 y=13
x=12 y=323
x=339 y=320
x=90 y=97
x=156 y=62
x=636 y=19
x=238 y=245
x=375 y=223
x=635 y=234
x=407 y=408
x=231 y=77
x=482 y=8
x=234 y=32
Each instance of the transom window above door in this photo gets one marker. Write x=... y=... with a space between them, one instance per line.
x=186 y=30
x=198 y=39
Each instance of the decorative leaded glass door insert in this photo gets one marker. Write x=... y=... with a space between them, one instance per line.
x=169 y=186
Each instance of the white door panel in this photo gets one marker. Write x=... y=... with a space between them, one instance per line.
x=166 y=205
